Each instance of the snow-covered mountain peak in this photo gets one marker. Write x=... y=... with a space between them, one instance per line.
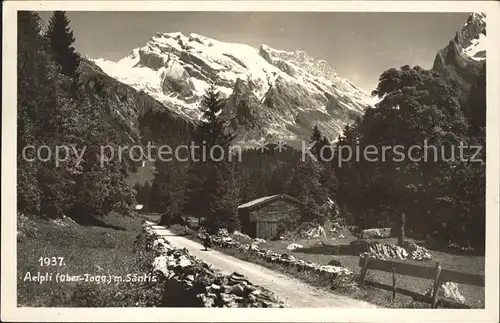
x=464 y=57
x=288 y=92
x=476 y=17
x=472 y=38
x=317 y=67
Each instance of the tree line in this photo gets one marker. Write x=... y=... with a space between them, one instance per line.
x=55 y=108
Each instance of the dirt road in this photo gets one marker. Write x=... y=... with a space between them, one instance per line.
x=292 y=292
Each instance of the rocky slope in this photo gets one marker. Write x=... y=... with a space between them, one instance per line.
x=269 y=93
x=126 y=106
x=465 y=55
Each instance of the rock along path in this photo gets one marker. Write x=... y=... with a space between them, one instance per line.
x=292 y=292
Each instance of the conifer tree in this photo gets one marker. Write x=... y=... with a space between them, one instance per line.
x=61 y=41
x=321 y=146
x=316 y=135
x=209 y=186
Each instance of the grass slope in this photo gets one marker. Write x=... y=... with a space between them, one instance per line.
x=97 y=251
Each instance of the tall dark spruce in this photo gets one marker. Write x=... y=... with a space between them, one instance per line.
x=61 y=41
x=210 y=192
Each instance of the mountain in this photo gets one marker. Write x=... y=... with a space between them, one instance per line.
x=269 y=93
x=465 y=55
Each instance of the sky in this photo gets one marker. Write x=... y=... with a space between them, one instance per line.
x=358 y=45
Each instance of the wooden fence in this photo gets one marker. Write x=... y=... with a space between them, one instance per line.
x=437 y=274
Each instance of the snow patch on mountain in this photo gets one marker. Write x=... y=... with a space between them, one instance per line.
x=477 y=49
x=475 y=29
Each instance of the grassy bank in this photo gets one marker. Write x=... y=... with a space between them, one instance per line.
x=323 y=250
x=111 y=250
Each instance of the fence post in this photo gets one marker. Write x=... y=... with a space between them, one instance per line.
x=393 y=281
x=364 y=269
x=435 y=289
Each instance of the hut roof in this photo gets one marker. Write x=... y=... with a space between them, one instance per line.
x=262 y=201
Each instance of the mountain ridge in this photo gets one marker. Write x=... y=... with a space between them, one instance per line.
x=288 y=92
x=270 y=94
x=465 y=55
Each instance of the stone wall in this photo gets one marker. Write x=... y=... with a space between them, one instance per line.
x=376 y=250
x=332 y=272
x=189 y=282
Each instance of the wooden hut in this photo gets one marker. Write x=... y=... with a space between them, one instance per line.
x=260 y=218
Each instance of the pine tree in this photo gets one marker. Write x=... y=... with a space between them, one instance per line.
x=316 y=135
x=305 y=185
x=61 y=40
x=209 y=180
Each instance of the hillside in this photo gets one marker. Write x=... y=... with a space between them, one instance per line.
x=126 y=106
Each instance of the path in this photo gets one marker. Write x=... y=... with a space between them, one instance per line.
x=292 y=292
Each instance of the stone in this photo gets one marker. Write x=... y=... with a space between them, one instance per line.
x=227 y=298
x=447 y=290
x=335 y=262
x=256 y=292
x=223 y=233
x=360 y=246
x=252 y=298
x=287 y=257
x=392 y=251
x=238 y=290
x=315 y=232
x=160 y=264
x=376 y=233
x=294 y=246
x=214 y=287
x=417 y=252
x=236 y=275
x=184 y=262
x=239 y=234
